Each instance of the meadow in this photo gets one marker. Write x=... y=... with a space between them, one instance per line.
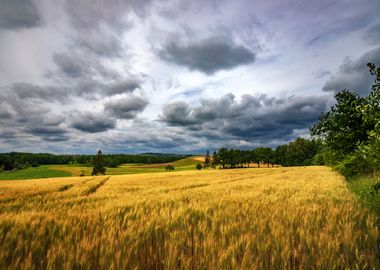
x=49 y=171
x=258 y=218
x=43 y=171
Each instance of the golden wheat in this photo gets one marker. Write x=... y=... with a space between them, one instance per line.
x=259 y=218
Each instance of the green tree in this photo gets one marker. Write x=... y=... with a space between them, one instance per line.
x=198 y=166
x=99 y=164
x=343 y=128
x=215 y=160
x=351 y=130
x=223 y=157
x=207 y=162
x=263 y=154
x=169 y=168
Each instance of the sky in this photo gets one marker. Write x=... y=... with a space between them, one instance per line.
x=134 y=76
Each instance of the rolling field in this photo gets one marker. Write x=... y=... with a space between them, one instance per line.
x=259 y=218
x=46 y=171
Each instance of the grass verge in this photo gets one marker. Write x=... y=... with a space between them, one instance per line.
x=361 y=184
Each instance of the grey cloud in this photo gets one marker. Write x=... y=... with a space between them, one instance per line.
x=50 y=133
x=321 y=73
x=124 y=86
x=4 y=112
x=28 y=115
x=372 y=35
x=177 y=114
x=100 y=24
x=354 y=75
x=91 y=14
x=252 y=118
x=31 y=91
x=208 y=56
x=90 y=88
x=126 y=108
x=91 y=122
x=106 y=45
x=19 y=14
x=76 y=65
x=8 y=134
x=69 y=65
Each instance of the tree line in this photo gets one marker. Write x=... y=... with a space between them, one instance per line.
x=300 y=152
x=15 y=160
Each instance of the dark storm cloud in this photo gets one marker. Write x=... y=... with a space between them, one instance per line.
x=50 y=133
x=90 y=88
x=27 y=115
x=126 y=108
x=252 y=118
x=153 y=138
x=354 y=75
x=208 y=56
x=372 y=35
x=18 y=14
x=91 y=122
x=177 y=114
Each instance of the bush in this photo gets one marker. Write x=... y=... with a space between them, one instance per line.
x=113 y=163
x=198 y=166
x=169 y=168
x=353 y=165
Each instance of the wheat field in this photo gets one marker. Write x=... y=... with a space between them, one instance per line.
x=258 y=218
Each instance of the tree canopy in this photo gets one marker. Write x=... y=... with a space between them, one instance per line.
x=99 y=164
x=350 y=131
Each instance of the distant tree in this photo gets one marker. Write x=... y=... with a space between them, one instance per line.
x=169 y=168
x=198 y=166
x=207 y=162
x=99 y=164
x=215 y=160
x=112 y=162
x=263 y=155
x=223 y=157
x=246 y=158
x=280 y=154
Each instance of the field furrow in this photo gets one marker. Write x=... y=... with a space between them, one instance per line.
x=258 y=218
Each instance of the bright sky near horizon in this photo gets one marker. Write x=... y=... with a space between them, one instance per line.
x=131 y=76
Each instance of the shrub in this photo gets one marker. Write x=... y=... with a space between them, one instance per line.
x=198 y=166
x=169 y=168
x=352 y=165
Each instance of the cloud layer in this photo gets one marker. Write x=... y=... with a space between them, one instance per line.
x=354 y=74
x=19 y=14
x=176 y=76
x=252 y=118
x=208 y=56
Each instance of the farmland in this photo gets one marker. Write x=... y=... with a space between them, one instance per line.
x=258 y=218
x=46 y=171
